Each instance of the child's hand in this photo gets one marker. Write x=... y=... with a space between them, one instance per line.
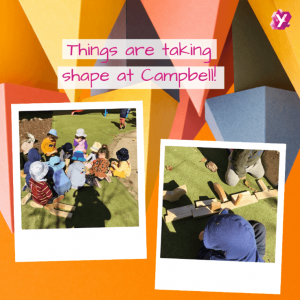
x=84 y=151
x=201 y=235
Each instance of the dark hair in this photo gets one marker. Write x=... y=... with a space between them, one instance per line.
x=52 y=136
x=104 y=149
x=77 y=137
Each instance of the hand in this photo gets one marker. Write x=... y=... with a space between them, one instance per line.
x=201 y=235
x=84 y=151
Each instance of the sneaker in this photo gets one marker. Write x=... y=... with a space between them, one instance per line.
x=124 y=126
x=24 y=187
x=97 y=183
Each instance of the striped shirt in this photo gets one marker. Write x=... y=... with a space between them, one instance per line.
x=40 y=191
x=124 y=166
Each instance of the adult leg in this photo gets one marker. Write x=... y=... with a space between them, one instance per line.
x=260 y=237
x=231 y=177
x=256 y=170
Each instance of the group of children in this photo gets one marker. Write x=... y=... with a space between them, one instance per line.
x=73 y=168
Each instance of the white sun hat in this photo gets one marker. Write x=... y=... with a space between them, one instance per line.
x=80 y=132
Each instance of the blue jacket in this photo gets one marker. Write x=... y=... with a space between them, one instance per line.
x=76 y=173
x=61 y=182
x=229 y=237
x=33 y=155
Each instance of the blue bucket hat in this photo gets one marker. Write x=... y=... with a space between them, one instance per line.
x=78 y=155
x=67 y=147
x=122 y=154
x=55 y=163
x=53 y=132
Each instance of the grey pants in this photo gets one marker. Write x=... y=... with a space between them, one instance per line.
x=256 y=170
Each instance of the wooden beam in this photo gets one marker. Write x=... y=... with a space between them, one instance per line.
x=204 y=202
x=202 y=212
x=266 y=194
x=262 y=185
x=175 y=194
x=220 y=191
x=246 y=200
x=179 y=213
x=235 y=196
x=215 y=205
x=25 y=199
x=238 y=200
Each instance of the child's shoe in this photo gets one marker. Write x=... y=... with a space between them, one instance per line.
x=97 y=183
x=108 y=179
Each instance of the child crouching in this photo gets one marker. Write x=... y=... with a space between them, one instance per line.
x=76 y=172
x=122 y=168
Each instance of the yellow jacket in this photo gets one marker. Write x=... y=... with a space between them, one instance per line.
x=48 y=146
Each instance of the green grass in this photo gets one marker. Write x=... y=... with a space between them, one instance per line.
x=110 y=206
x=180 y=238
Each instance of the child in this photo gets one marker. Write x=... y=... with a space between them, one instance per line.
x=76 y=172
x=123 y=114
x=49 y=144
x=100 y=166
x=230 y=237
x=41 y=193
x=33 y=155
x=242 y=161
x=62 y=183
x=122 y=168
x=80 y=142
x=66 y=153
x=94 y=155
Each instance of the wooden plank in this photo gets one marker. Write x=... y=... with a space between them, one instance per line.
x=266 y=194
x=58 y=213
x=221 y=193
x=202 y=212
x=25 y=199
x=262 y=185
x=63 y=206
x=238 y=200
x=235 y=196
x=181 y=209
x=215 y=205
x=170 y=218
x=246 y=200
x=205 y=202
x=175 y=194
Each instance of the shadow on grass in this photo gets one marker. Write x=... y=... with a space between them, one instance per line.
x=90 y=211
x=219 y=157
x=179 y=239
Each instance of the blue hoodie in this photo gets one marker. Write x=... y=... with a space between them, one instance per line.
x=76 y=174
x=231 y=238
x=33 y=155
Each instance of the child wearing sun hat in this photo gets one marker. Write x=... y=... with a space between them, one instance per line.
x=122 y=168
x=93 y=155
x=62 y=183
x=80 y=142
x=49 y=144
x=66 y=153
x=76 y=172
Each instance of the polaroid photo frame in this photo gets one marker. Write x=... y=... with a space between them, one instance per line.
x=105 y=243
x=220 y=276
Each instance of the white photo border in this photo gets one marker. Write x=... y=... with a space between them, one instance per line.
x=238 y=277
x=80 y=243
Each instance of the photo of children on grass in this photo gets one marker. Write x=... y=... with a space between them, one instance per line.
x=219 y=204
x=79 y=168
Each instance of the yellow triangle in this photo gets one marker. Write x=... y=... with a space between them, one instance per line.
x=55 y=20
